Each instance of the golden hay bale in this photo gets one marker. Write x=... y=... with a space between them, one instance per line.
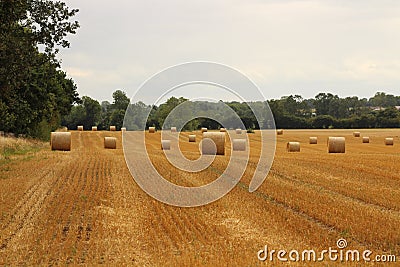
x=389 y=141
x=165 y=144
x=222 y=130
x=94 y=128
x=60 y=141
x=313 y=140
x=62 y=129
x=238 y=131
x=293 y=147
x=239 y=144
x=365 y=140
x=80 y=128
x=110 y=142
x=152 y=129
x=173 y=129
x=207 y=146
x=336 y=145
x=113 y=128
x=356 y=134
x=123 y=129
x=192 y=138
x=279 y=132
x=203 y=130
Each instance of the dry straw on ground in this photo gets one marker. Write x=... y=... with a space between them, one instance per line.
x=313 y=140
x=192 y=138
x=60 y=141
x=173 y=129
x=365 y=140
x=389 y=141
x=215 y=146
x=94 y=128
x=80 y=128
x=203 y=129
x=279 y=132
x=165 y=144
x=152 y=129
x=356 y=134
x=336 y=145
x=110 y=142
x=293 y=147
x=113 y=128
x=239 y=144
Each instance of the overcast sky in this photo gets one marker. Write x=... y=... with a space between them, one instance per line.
x=286 y=47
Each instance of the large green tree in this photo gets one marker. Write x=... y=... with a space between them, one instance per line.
x=34 y=91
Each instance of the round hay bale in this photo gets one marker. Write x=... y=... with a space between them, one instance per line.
x=203 y=130
x=365 y=140
x=207 y=146
x=62 y=129
x=165 y=144
x=238 y=131
x=336 y=145
x=110 y=142
x=313 y=140
x=239 y=144
x=279 y=132
x=113 y=128
x=389 y=141
x=80 y=128
x=94 y=128
x=293 y=147
x=123 y=129
x=60 y=141
x=192 y=138
x=152 y=129
x=222 y=130
x=173 y=129
x=356 y=134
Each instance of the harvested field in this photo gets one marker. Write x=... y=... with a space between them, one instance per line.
x=83 y=206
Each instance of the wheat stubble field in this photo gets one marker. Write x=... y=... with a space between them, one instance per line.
x=83 y=207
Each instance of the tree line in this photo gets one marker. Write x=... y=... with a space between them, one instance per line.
x=290 y=112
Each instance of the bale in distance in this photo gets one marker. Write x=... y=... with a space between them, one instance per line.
x=336 y=145
x=365 y=140
x=62 y=129
x=60 y=141
x=152 y=129
x=94 y=128
x=80 y=128
x=356 y=134
x=238 y=131
x=110 y=142
x=239 y=144
x=113 y=128
x=192 y=138
x=207 y=146
x=313 y=140
x=222 y=130
x=279 y=132
x=173 y=129
x=389 y=141
x=123 y=129
x=165 y=144
x=293 y=147
x=203 y=130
